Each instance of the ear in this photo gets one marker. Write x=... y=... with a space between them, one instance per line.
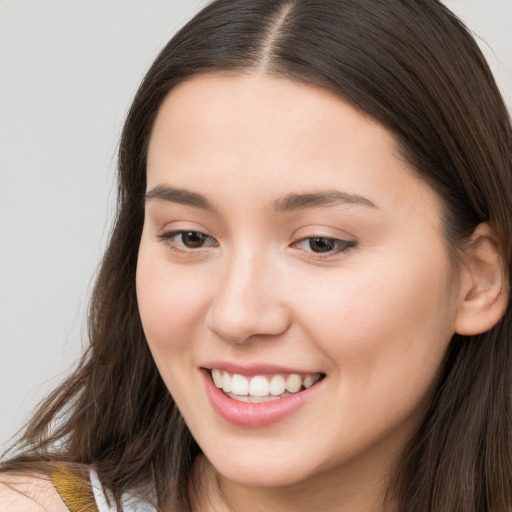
x=484 y=286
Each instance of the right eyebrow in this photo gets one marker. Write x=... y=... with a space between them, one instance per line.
x=178 y=195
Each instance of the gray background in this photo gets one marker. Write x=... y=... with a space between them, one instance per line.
x=68 y=70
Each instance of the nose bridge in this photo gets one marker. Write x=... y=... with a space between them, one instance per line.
x=247 y=301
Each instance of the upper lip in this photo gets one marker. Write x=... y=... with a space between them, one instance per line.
x=254 y=368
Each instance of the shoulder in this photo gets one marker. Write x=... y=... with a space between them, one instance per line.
x=28 y=492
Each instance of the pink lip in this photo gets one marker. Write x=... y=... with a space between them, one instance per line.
x=255 y=415
x=254 y=369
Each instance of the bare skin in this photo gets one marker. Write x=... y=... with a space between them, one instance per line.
x=29 y=493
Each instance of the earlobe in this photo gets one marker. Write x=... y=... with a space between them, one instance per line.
x=484 y=289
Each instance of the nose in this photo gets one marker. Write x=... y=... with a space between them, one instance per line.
x=249 y=301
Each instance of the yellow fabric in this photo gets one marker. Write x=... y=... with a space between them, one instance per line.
x=75 y=490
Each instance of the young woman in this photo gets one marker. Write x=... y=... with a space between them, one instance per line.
x=305 y=300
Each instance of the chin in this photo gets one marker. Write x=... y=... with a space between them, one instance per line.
x=267 y=463
x=274 y=474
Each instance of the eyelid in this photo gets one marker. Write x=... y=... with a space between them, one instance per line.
x=345 y=245
x=345 y=241
x=168 y=237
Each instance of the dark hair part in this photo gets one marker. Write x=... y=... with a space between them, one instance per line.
x=414 y=67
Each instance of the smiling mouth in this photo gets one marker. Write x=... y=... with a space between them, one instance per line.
x=262 y=388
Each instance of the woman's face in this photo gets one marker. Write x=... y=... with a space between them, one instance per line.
x=287 y=243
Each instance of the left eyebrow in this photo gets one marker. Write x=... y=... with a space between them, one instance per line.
x=322 y=198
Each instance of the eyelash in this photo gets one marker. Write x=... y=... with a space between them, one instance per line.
x=340 y=246
x=169 y=240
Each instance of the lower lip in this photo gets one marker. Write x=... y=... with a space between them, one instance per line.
x=256 y=415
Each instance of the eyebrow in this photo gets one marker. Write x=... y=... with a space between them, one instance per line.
x=290 y=202
x=178 y=195
x=293 y=202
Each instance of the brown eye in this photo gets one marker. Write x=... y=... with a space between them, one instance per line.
x=181 y=241
x=193 y=239
x=322 y=244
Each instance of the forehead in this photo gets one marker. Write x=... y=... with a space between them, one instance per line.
x=236 y=134
x=230 y=108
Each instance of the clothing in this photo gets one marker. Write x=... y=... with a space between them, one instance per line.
x=88 y=495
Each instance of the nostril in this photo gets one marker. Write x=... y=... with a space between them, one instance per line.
x=243 y=330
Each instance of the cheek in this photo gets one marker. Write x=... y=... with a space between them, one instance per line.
x=392 y=325
x=171 y=301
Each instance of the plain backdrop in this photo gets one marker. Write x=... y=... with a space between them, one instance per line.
x=68 y=71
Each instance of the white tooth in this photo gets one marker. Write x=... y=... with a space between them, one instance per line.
x=239 y=385
x=217 y=378
x=309 y=380
x=293 y=383
x=226 y=382
x=259 y=386
x=277 y=385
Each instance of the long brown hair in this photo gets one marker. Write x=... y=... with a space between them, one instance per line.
x=414 y=67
